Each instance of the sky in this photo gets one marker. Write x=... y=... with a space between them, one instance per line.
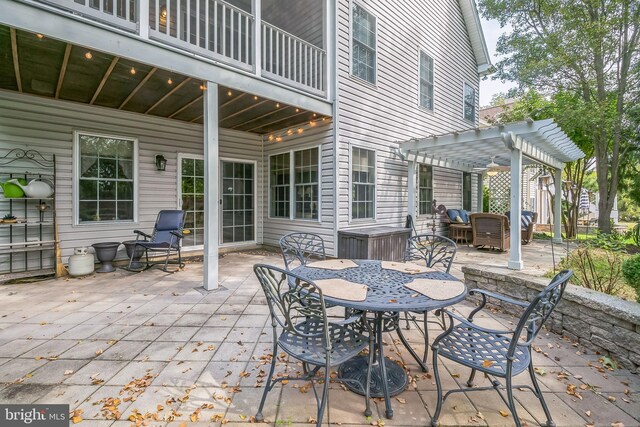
x=489 y=87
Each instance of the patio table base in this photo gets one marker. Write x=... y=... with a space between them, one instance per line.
x=356 y=369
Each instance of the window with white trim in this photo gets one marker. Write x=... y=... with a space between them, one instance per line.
x=363 y=183
x=302 y=168
x=105 y=178
x=363 y=51
x=425 y=189
x=426 y=81
x=469 y=103
x=466 y=191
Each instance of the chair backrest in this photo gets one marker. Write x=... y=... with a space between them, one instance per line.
x=299 y=248
x=540 y=309
x=489 y=223
x=432 y=249
x=296 y=305
x=526 y=218
x=166 y=222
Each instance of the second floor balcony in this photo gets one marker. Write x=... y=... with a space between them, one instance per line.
x=258 y=36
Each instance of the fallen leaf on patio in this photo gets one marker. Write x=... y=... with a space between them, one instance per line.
x=39 y=357
x=18 y=381
x=578 y=377
x=480 y=415
x=312 y=420
x=183 y=424
x=504 y=413
x=175 y=294
x=99 y=352
x=187 y=370
x=29 y=375
x=486 y=363
x=244 y=374
x=627 y=391
x=76 y=416
x=617 y=424
x=195 y=416
x=43 y=323
x=393 y=300
x=583 y=386
x=588 y=413
x=112 y=342
x=611 y=399
x=455 y=375
x=284 y=382
x=243 y=417
x=68 y=372
x=401 y=400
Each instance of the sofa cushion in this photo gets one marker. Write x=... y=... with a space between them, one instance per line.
x=526 y=218
x=452 y=214
x=464 y=215
x=459 y=220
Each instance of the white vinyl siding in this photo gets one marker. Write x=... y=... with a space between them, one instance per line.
x=426 y=81
x=363 y=49
x=425 y=189
x=105 y=178
x=363 y=183
x=469 y=103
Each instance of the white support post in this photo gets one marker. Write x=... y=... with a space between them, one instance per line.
x=411 y=190
x=480 y=192
x=257 y=35
x=515 y=255
x=143 y=19
x=557 y=208
x=211 y=197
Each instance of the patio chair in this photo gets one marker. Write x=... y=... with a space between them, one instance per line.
x=434 y=251
x=299 y=248
x=165 y=238
x=498 y=353
x=527 y=225
x=297 y=308
x=490 y=230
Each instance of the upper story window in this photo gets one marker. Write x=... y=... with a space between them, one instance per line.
x=363 y=52
x=469 y=103
x=302 y=168
x=425 y=189
x=363 y=183
x=426 y=81
x=466 y=191
x=105 y=178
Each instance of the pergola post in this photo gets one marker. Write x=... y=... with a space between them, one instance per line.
x=411 y=190
x=557 y=208
x=480 y=193
x=211 y=159
x=515 y=255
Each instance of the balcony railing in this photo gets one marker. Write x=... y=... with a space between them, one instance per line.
x=213 y=29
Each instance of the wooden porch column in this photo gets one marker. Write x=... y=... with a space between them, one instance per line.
x=480 y=193
x=557 y=208
x=143 y=18
x=211 y=198
x=515 y=255
x=411 y=190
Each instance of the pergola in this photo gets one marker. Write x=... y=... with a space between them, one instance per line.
x=514 y=145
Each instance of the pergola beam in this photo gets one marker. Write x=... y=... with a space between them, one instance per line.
x=114 y=61
x=168 y=94
x=63 y=69
x=138 y=87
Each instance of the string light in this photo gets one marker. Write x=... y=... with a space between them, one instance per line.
x=170 y=81
x=279 y=136
x=290 y=132
x=88 y=55
x=300 y=130
x=202 y=87
x=297 y=110
x=255 y=97
x=40 y=36
x=277 y=105
x=133 y=70
x=229 y=93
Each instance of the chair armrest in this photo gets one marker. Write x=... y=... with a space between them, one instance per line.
x=354 y=316
x=142 y=233
x=484 y=294
x=470 y=324
x=177 y=234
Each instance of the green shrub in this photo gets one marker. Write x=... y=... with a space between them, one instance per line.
x=597 y=269
x=635 y=234
x=612 y=242
x=631 y=272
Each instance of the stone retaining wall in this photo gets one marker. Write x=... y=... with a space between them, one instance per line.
x=597 y=321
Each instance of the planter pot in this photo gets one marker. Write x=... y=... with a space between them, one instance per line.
x=106 y=253
x=139 y=251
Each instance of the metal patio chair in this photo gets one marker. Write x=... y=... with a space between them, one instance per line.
x=498 y=353
x=165 y=238
x=434 y=251
x=299 y=248
x=301 y=328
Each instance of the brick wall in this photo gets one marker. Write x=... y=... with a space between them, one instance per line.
x=597 y=321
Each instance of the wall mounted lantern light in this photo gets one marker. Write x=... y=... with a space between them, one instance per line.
x=161 y=162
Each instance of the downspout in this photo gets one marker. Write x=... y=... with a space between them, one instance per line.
x=333 y=35
x=263 y=206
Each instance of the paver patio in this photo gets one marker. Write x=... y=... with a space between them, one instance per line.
x=162 y=345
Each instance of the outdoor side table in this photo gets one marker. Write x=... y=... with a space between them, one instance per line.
x=386 y=294
x=460 y=233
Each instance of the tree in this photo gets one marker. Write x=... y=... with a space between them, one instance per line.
x=589 y=47
x=569 y=111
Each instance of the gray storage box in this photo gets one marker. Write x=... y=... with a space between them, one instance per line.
x=379 y=243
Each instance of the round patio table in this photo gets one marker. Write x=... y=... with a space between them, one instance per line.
x=386 y=295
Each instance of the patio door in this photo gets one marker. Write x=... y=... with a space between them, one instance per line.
x=191 y=198
x=237 y=190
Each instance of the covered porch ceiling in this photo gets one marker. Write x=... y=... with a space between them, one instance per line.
x=540 y=141
x=39 y=65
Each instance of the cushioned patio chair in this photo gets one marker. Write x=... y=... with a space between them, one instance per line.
x=300 y=248
x=435 y=252
x=165 y=238
x=490 y=230
x=527 y=225
x=497 y=353
x=301 y=328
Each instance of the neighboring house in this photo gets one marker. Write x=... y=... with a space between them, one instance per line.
x=490 y=115
x=273 y=116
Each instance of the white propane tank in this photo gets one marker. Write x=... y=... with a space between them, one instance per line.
x=81 y=263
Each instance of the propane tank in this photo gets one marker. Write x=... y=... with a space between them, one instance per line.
x=81 y=262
